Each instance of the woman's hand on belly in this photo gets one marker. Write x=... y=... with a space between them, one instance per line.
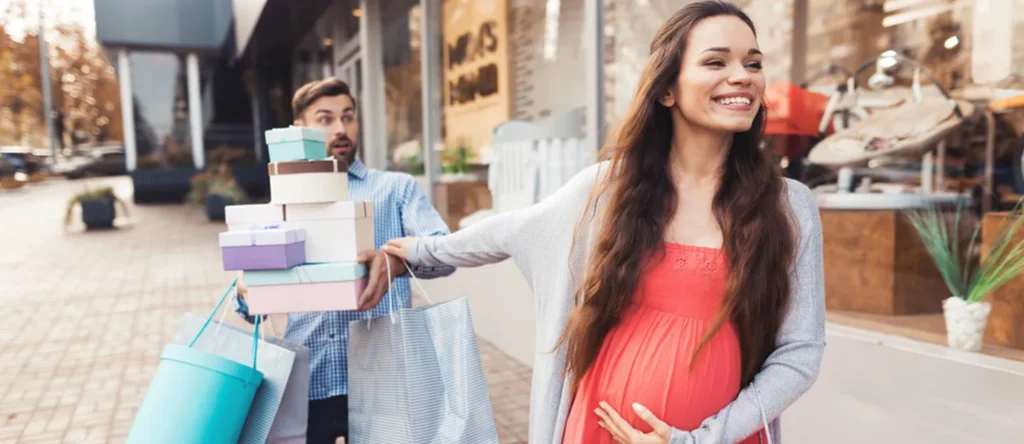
x=625 y=433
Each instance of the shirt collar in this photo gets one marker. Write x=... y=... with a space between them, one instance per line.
x=358 y=169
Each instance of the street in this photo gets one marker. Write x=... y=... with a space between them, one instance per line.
x=88 y=314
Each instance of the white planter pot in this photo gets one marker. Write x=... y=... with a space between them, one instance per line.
x=965 y=323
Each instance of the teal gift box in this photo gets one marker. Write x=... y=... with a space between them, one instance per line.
x=306 y=274
x=296 y=143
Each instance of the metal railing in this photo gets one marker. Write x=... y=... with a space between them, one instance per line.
x=531 y=160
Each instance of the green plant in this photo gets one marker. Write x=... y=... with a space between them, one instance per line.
x=222 y=183
x=230 y=190
x=415 y=164
x=93 y=194
x=231 y=155
x=149 y=162
x=179 y=158
x=200 y=182
x=456 y=159
x=965 y=280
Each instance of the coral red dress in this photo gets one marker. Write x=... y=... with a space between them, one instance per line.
x=646 y=358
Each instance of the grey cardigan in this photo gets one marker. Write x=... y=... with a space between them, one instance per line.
x=538 y=239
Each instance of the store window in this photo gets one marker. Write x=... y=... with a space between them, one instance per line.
x=160 y=100
x=403 y=88
x=849 y=34
x=547 y=58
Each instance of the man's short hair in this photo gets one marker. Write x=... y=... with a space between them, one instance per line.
x=313 y=91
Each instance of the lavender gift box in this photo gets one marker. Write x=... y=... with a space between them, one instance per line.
x=270 y=248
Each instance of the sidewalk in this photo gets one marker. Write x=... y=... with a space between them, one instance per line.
x=87 y=315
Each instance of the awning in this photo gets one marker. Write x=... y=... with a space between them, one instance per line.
x=274 y=27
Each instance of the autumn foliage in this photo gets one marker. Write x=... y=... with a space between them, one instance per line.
x=83 y=83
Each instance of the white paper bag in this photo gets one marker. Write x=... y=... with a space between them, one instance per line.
x=416 y=377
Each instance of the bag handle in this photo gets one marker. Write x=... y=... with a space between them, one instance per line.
x=216 y=308
x=764 y=418
x=393 y=304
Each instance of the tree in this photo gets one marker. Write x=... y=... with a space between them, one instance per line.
x=85 y=87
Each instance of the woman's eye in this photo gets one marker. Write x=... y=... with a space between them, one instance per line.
x=715 y=63
x=754 y=65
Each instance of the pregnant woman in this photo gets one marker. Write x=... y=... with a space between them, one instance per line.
x=678 y=283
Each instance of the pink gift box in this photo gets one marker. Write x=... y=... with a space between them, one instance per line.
x=305 y=298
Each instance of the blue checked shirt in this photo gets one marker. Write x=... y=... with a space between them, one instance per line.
x=400 y=209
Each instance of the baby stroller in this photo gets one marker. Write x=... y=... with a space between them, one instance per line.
x=800 y=117
x=916 y=121
x=796 y=120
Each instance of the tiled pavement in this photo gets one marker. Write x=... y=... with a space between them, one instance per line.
x=87 y=314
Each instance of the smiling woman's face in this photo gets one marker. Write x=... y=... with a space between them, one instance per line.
x=720 y=85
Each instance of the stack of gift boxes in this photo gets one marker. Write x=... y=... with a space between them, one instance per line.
x=298 y=252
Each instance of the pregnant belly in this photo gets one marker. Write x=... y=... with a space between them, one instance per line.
x=647 y=359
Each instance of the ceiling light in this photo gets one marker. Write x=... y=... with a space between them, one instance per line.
x=951 y=42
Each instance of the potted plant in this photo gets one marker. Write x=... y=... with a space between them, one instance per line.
x=969 y=280
x=10 y=183
x=215 y=191
x=98 y=208
x=161 y=179
x=456 y=167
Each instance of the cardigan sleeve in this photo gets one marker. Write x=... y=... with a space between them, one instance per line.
x=793 y=367
x=519 y=234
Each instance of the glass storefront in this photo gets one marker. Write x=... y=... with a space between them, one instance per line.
x=160 y=100
x=403 y=87
x=848 y=35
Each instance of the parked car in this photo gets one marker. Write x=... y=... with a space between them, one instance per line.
x=102 y=163
x=23 y=159
x=7 y=168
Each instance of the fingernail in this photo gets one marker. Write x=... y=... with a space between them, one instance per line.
x=637 y=407
x=384 y=248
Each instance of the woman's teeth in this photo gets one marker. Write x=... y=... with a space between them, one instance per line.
x=734 y=101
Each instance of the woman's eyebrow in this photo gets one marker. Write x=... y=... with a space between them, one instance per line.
x=752 y=51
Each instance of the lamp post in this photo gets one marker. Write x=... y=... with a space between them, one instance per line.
x=44 y=69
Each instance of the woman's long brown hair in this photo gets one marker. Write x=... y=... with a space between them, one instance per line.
x=750 y=206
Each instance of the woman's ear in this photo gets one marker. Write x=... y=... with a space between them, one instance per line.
x=668 y=99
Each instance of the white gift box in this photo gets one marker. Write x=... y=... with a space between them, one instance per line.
x=269 y=236
x=309 y=188
x=316 y=181
x=335 y=232
x=258 y=214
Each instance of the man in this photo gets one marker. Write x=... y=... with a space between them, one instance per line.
x=400 y=209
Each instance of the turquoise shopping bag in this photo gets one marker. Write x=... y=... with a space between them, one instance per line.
x=196 y=396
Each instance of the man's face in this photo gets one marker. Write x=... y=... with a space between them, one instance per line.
x=336 y=117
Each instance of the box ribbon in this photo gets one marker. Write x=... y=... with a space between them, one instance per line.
x=254 y=228
x=330 y=165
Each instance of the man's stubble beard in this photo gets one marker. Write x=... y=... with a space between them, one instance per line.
x=348 y=157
